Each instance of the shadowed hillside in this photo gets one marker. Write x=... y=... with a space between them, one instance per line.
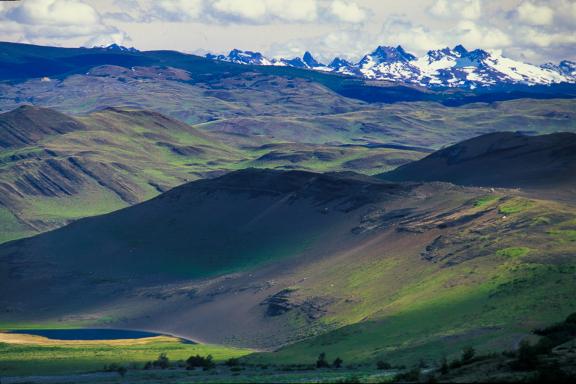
x=501 y=159
x=340 y=263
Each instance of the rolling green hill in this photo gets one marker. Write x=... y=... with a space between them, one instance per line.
x=55 y=168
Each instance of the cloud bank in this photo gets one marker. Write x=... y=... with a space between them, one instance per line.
x=531 y=30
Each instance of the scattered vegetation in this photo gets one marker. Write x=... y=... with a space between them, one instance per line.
x=515 y=205
x=206 y=363
x=486 y=200
x=513 y=252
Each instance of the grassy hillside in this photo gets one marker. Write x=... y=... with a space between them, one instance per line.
x=488 y=286
x=57 y=168
x=343 y=264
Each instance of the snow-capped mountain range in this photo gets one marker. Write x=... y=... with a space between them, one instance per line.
x=116 y=47
x=448 y=67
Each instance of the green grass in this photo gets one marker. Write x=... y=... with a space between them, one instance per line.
x=486 y=200
x=513 y=252
x=18 y=359
x=483 y=316
x=515 y=205
x=564 y=235
x=11 y=228
x=405 y=310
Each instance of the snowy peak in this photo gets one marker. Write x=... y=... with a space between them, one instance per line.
x=567 y=68
x=446 y=67
x=247 y=57
x=384 y=54
x=119 y=48
x=342 y=66
x=310 y=61
x=460 y=50
x=295 y=62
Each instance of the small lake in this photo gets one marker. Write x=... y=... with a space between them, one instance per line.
x=90 y=334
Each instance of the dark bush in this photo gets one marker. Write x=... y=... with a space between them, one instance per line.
x=383 y=365
x=198 y=361
x=122 y=371
x=161 y=362
x=571 y=319
x=553 y=374
x=412 y=375
x=232 y=362
x=337 y=362
x=455 y=364
x=468 y=354
x=321 y=362
x=444 y=366
x=527 y=357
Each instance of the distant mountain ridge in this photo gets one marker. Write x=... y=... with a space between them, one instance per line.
x=448 y=67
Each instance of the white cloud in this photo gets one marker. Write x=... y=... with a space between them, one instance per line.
x=54 y=19
x=294 y=10
x=347 y=11
x=251 y=9
x=457 y=9
x=479 y=36
x=54 y=12
x=261 y=11
x=176 y=10
x=538 y=38
x=535 y=14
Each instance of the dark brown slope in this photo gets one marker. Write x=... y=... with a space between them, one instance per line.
x=27 y=124
x=181 y=241
x=501 y=159
x=209 y=226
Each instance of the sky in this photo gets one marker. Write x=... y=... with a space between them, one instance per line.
x=529 y=30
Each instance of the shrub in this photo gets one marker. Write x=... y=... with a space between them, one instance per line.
x=455 y=364
x=383 y=365
x=321 y=362
x=468 y=354
x=122 y=371
x=198 y=361
x=232 y=362
x=161 y=362
x=571 y=319
x=337 y=363
x=527 y=357
x=412 y=375
x=444 y=366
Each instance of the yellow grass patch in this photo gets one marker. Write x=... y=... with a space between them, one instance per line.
x=15 y=338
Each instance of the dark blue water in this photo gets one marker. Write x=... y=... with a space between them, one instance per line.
x=89 y=334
